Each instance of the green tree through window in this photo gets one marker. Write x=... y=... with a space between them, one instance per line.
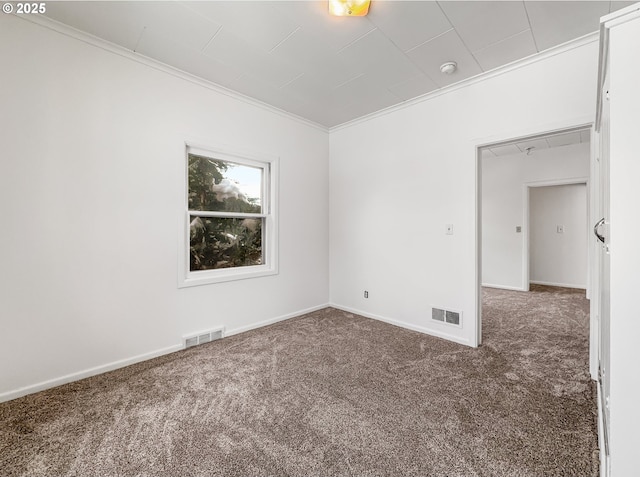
x=226 y=216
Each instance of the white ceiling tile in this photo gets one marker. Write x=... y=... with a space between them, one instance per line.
x=192 y=61
x=375 y=100
x=122 y=22
x=413 y=87
x=349 y=92
x=258 y=23
x=409 y=24
x=505 y=150
x=364 y=52
x=296 y=56
x=302 y=46
x=233 y=51
x=311 y=56
x=513 y=48
x=361 y=90
x=480 y=24
x=218 y=11
x=537 y=144
x=375 y=56
x=360 y=93
x=333 y=32
x=316 y=112
x=332 y=72
x=117 y=22
x=177 y=22
x=265 y=92
x=564 y=139
x=554 y=23
x=309 y=87
x=337 y=117
x=447 y=47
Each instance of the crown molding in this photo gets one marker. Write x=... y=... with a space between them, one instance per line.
x=556 y=50
x=157 y=65
x=105 y=45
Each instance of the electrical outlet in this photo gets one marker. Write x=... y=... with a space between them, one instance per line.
x=366 y=294
x=449 y=229
x=518 y=229
x=560 y=229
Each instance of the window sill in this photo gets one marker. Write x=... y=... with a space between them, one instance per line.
x=207 y=277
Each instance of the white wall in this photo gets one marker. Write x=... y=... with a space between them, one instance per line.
x=503 y=208
x=558 y=259
x=398 y=178
x=625 y=253
x=92 y=148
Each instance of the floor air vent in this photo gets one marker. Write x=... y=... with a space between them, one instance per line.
x=447 y=316
x=203 y=337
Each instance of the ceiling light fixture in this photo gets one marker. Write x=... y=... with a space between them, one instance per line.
x=449 y=68
x=349 y=8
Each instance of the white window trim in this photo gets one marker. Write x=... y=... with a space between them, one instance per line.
x=187 y=278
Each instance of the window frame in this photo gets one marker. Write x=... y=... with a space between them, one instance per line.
x=269 y=166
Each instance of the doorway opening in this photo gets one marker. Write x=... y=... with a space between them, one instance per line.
x=508 y=171
x=556 y=242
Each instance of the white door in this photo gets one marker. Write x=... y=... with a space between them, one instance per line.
x=601 y=229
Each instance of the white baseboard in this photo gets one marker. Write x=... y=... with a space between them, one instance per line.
x=402 y=324
x=52 y=383
x=504 y=287
x=271 y=321
x=87 y=373
x=605 y=462
x=564 y=285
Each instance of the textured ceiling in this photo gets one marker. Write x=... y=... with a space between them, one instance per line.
x=293 y=55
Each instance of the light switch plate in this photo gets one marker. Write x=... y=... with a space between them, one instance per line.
x=449 y=229
x=560 y=229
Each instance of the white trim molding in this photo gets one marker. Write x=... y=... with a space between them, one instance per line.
x=277 y=319
x=119 y=50
x=404 y=324
x=556 y=50
x=89 y=39
x=540 y=131
x=504 y=287
x=269 y=216
x=87 y=373
x=96 y=370
x=603 y=438
x=554 y=284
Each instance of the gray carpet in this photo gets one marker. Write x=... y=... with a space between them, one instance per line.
x=330 y=393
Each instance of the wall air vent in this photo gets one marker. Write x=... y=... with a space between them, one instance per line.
x=449 y=317
x=189 y=342
x=202 y=337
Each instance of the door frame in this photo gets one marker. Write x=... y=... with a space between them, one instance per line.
x=571 y=125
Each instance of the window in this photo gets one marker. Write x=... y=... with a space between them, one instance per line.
x=230 y=231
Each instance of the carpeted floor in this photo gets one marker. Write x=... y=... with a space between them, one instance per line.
x=330 y=393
